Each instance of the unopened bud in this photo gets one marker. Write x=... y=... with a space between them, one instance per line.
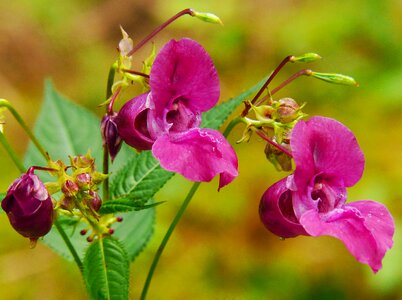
x=84 y=181
x=335 y=78
x=207 y=17
x=287 y=110
x=70 y=188
x=110 y=135
x=119 y=219
x=94 y=201
x=83 y=161
x=67 y=203
x=306 y=58
x=29 y=206
x=111 y=230
x=83 y=232
x=280 y=160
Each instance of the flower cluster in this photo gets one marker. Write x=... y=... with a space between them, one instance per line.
x=311 y=201
x=183 y=84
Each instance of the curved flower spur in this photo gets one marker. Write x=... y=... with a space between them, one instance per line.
x=183 y=84
x=311 y=201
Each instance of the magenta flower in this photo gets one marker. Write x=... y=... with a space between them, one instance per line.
x=184 y=83
x=29 y=206
x=312 y=200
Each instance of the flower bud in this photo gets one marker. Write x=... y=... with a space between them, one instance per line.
x=306 y=58
x=94 y=201
x=84 y=181
x=83 y=161
x=29 y=206
x=335 y=78
x=280 y=160
x=67 y=203
x=287 y=110
x=70 y=188
x=110 y=135
x=207 y=17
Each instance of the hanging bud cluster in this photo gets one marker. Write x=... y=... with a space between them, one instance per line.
x=275 y=119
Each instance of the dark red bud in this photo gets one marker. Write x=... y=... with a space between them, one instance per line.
x=95 y=201
x=111 y=230
x=83 y=232
x=90 y=239
x=70 y=188
x=119 y=219
x=29 y=206
x=110 y=135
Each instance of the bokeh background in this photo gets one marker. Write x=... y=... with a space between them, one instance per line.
x=220 y=250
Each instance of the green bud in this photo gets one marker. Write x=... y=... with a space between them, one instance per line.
x=306 y=58
x=207 y=17
x=335 y=78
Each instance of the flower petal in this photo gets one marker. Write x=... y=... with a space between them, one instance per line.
x=132 y=125
x=379 y=221
x=324 y=145
x=350 y=226
x=198 y=154
x=183 y=69
x=276 y=211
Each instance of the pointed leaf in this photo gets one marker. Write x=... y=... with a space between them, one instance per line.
x=215 y=117
x=106 y=270
x=138 y=180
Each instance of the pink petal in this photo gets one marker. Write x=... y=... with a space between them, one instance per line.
x=183 y=69
x=350 y=226
x=197 y=154
x=379 y=221
x=276 y=211
x=323 y=145
x=132 y=125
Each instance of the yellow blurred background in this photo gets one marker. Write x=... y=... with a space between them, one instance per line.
x=220 y=250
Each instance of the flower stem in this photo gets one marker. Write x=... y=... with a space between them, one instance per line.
x=166 y=238
x=11 y=153
x=231 y=125
x=270 y=78
x=69 y=245
x=306 y=72
x=187 y=11
x=7 y=104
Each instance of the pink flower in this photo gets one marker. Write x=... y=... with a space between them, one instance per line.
x=312 y=200
x=184 y=83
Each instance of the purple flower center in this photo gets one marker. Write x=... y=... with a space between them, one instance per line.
x=181 y=117
x=327 y=194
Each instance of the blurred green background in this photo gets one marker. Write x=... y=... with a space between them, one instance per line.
x=220 y=250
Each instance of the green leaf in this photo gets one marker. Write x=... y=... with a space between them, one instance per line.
x=106 y=270
x=136 y=230
x=2 y=196
x=64 y=129
x=126 y=204
x=136 y=183
x=215 y=117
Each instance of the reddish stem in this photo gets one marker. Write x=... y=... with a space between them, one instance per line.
x=33 y=168
x=276 y=145
x=114 y=97
x=136 y=73
x=270 y=78
x=187 y=11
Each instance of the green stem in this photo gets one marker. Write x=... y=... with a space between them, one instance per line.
x=69 y=245
x=12 y=153
x=177 y=218
x=167 y=236
x=7 y=104
x=231 y=125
